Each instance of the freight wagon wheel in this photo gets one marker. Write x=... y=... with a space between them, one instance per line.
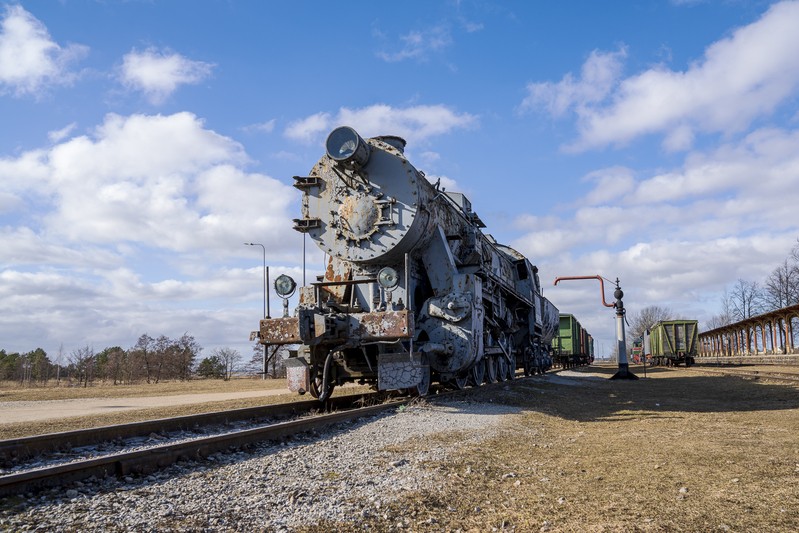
x=477 y=373
x=490 y=364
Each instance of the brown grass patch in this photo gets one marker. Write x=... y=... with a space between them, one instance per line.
x=676 y=452
x=25 y=429
x=14 y=392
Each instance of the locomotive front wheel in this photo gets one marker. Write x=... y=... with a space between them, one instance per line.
x=316 y=387
x=423 y=387
x=512 y=367
x=477 y=374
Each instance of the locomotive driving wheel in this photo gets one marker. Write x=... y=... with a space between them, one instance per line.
x=477 y=373
x=502 y=367
x=490 y=364
x=459 y=381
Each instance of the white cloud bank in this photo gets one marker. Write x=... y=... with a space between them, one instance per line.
x=30 y=61
x=677 y=237
x=88 y=218
x=740 y=78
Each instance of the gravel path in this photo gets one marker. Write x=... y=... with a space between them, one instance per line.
x=345 y=474
x=51 y=409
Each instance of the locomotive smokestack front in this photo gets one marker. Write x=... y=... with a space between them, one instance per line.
x=363 y=205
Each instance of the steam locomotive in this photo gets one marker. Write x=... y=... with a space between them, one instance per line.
x=414 y=292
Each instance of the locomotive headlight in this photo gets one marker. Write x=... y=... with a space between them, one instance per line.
x=285 y=286
x=344 y=145
x=388 y=278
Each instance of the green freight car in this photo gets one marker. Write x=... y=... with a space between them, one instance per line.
x=572 y=346
x=673 y=342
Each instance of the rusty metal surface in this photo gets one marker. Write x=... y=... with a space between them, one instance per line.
x=298 y=375
x=336 y=272
x=399 y=371
x=381 y=325
x=280 y=331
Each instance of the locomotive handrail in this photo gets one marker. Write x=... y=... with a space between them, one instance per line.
x=343 y=282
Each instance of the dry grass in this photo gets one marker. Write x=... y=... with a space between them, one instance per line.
x=679 y=451
x=12 y=391
x=25 y=429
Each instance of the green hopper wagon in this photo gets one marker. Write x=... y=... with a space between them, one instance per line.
x=673 y=342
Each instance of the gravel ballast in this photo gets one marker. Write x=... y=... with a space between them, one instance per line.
x=344 y=474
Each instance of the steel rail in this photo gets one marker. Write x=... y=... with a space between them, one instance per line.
x=755 y=374
x=159 y=457
x=24 y=448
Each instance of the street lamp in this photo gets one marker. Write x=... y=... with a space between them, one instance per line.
x=266 y=295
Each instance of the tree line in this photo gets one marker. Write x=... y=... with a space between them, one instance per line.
x=150 y=360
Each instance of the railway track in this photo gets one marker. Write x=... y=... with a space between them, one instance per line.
x=785 y=377
x=22 y=458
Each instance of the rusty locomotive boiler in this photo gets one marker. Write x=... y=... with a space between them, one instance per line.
x=413 y=292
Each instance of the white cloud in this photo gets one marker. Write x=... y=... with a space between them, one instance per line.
x=158 y=73
x=30 y=61
x=309 y=128
x=159 y=181
x=419 y=44
x=133 y=228
x=677 y=238
x=611 y=184
x=414 y=124
x=740 y=78
x=599 y=75
x=63 y=133
x=444 y=182
x=265 y=127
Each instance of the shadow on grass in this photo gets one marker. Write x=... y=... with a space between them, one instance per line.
x=589 y=395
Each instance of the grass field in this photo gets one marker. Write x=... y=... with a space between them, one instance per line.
x=679 y=451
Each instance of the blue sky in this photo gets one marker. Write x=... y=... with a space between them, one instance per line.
x=141 y=143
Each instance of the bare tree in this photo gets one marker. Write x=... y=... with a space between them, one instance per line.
x=782 y=287
x=745 y=300
x=648 y=317
x=230 y=359
x=275 y=358
x=717 y=321
x=143 y=352
x=186 y=351
x=82 y=359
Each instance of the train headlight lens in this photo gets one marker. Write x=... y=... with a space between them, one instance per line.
x=388 y=278
x=344 y=145
x=285 y=286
